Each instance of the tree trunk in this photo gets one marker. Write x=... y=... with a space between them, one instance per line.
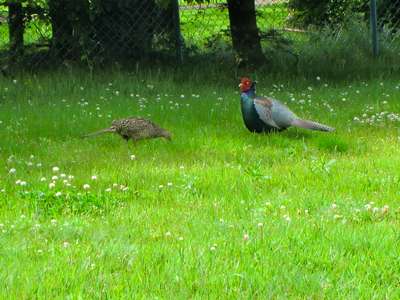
x=16 y=29
x=244 y=30
x=69 y=20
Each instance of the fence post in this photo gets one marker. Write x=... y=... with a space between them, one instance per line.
x=374 y=28
x=178 y=36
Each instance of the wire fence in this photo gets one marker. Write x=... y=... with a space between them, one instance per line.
x=388 y=12
x=49 y=31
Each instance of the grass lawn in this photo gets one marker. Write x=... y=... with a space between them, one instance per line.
x=216 y=213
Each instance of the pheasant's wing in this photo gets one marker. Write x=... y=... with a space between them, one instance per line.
x=138 y=128
x=263 y=107
x=280 y=114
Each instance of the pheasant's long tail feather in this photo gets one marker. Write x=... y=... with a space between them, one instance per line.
x=99 y=132
x=311 y=125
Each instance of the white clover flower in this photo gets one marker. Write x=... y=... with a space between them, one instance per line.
x=246 y=237
x=52 y=185
x=132 y=157
x=168 y=234
x=23 y=183
x=56 y=169
x=29 y=164
x=62 y=175
x=12 y=171
x=86 y=186
x=66 y=244
x=70 y=177
x=94 y=177
x=287 y=218
x=385 y=209
x=39 y=165
x=18 y=182
x=333 y=206
x=160 y=186
x=43 y=179
x=212 y=248
x=58 y=194
x=180 y=238
x=53 y=222
x=54 y=177
x=108 y=190
x=260 y=225
x=169 y=184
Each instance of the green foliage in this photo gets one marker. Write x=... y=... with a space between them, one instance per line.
x=341 y=52
x=324 y=12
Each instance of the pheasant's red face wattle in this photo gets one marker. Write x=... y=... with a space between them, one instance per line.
x=245 y=84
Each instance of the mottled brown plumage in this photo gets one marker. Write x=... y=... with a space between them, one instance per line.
x=135 y=129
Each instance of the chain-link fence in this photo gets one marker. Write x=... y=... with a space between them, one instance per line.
x=76 y=30
x=388 y=15
x=40 y=32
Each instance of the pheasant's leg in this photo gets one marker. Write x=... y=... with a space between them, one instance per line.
x=130 y=147
x=126 y=138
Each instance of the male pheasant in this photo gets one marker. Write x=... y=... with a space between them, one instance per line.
x=265 y=114
x=134 y=129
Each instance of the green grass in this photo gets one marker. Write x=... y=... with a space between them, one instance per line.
x=200 y=26
x=217 y=212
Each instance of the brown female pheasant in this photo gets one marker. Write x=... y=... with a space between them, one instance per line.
x=134 y=129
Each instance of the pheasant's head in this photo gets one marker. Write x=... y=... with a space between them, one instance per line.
x=165 y=134
x=245 y=84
